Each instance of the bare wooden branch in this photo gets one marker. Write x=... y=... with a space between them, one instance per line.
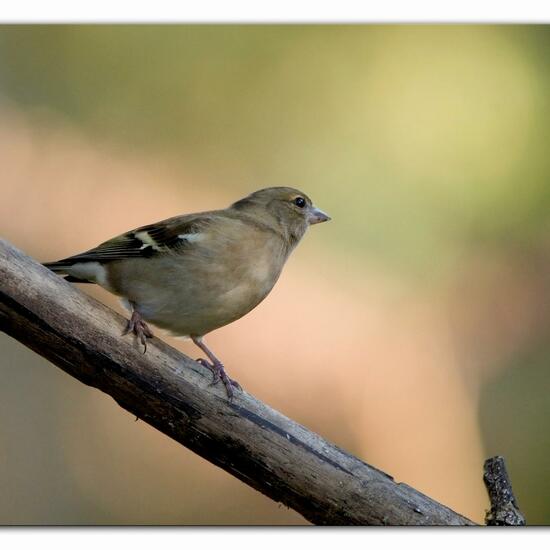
x=170 y=391
x=504 y=508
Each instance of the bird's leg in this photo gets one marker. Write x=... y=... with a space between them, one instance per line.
x=217 y=368
x=139 y=327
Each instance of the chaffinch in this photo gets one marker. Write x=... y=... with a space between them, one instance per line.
x=194 y=273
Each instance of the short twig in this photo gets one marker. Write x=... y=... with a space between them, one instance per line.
x=504 y=507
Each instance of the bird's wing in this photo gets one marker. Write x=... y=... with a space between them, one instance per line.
x=171 y=235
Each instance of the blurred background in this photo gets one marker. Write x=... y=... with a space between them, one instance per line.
x=428 y=146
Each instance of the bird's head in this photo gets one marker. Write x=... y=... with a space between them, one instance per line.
x=288 y=208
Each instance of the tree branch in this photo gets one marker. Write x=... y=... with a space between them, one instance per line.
x=170 y=391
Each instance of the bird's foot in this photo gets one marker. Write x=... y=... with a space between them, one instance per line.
x=140 y=328
x=218 y=373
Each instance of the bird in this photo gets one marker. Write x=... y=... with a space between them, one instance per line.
x=194 y=273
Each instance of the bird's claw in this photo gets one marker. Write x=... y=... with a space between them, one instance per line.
x=140 y=328
x=218 y=373
x=210 y=367
x=235 y=384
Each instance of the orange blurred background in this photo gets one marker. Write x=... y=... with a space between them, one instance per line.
x=428 y=147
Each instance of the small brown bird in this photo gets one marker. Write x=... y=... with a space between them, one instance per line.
x=195 y=273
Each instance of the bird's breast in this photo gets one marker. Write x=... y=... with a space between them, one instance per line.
x=248 y=280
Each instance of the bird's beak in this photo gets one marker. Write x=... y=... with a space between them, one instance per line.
x=316 y=216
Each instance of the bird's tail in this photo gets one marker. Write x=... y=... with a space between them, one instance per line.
x=62 y=267
x=58 y=267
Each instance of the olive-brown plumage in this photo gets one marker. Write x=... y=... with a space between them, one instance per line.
x=195 y=273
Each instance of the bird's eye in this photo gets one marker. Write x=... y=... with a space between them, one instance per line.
x=300 y=202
